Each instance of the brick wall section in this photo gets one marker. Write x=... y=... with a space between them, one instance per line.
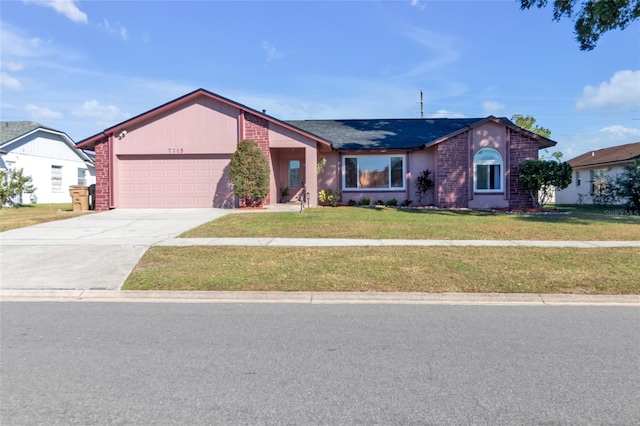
x=521 y=148
x=102 y=175
x=452 y=177
x=257 y=129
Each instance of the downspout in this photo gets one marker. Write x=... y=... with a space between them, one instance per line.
x=507 y=166
x=111 y=177
x=408 y=177
x=240 y=125
x=471 y=184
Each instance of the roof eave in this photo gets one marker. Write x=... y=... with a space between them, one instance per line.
x=67 y=140
x=606 y=163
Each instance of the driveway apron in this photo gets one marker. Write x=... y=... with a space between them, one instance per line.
x=94 y=251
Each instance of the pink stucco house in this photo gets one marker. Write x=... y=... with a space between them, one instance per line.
x=178 y=154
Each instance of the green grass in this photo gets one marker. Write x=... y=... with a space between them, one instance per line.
x=19 y=217
x=412 y=269
x=584 y=223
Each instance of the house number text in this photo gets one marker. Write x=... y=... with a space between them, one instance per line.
x=176 y=150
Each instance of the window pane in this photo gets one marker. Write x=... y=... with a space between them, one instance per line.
x=294 y=173
x=488 y=155
x=351 y=172
x=482 y=177
x=56 y=178
x=397 y=177
x=374 y=172
x=495 y=177
x=82 y=177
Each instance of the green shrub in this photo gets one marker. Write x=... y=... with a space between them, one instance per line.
x=539 y=178
x=392 y=202
x=327 y=197
x=249 y=172
x=407 y=203
x=12 y=184
x=627 y=186
x=365 y=201
x=424 y=184
x=352 y=203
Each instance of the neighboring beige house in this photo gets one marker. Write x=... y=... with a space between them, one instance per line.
x=593 y=169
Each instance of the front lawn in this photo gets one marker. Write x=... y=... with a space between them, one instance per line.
x=19 y=217
x=387 y=269
x=584 y=223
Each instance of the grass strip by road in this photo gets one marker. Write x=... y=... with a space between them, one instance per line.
x=584 y=223
x=387 y=269
x=19 y=217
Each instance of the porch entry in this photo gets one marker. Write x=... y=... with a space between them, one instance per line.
x=289 y=174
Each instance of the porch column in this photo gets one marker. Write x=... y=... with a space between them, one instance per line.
x=311 y=174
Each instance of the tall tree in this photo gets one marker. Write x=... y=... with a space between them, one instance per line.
x=528 y=123
x=593 y=17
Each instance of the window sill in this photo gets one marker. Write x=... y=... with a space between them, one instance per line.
x=488 y=193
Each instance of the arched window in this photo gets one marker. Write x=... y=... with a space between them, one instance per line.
x=487 y=165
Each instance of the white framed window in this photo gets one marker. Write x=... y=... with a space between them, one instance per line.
x=294 y=173
x=82 y=176
x=488 y=166
x=373 y=172
x=578 y=180
x=598 y=180
x=56 y=178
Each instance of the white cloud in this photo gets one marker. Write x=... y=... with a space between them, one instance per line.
x=13 y=66
x=443 y=113
x=621 y=91
x=115 y=29
x=418 y=4
x=272 y=52
x=42 y=113
x=8 y=82
x=104 y=113
x=582 y=142
x=440 y=50
x=67 y=8
x=618 y=131
x=493 y=108
x=22 y=47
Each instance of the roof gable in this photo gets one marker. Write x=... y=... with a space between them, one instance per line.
x=10 y=130
x=612 y=155
x=90 y=142
x=13 y=131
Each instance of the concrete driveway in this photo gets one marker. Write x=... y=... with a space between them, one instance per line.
x=95 y=251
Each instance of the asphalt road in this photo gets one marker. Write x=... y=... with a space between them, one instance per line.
x=181 y=363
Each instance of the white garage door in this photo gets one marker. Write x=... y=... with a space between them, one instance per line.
x=163 y=181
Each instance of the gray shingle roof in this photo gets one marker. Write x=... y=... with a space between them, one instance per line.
x=9 y=130
x=409 y=133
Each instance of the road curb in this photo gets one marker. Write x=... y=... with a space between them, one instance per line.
x=319 y=297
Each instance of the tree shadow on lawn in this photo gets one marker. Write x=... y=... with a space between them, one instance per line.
x=586 y=214
x=452 y=212
x=578 y=215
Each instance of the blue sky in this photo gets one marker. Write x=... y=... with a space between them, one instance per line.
x=82 y=66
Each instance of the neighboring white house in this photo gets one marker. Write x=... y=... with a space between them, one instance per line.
x=593 y=169
x=49 y=156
